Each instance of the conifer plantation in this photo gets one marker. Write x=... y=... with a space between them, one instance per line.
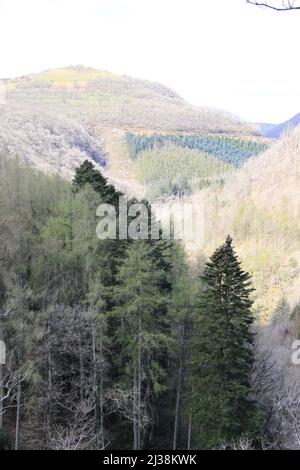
x=116 y=344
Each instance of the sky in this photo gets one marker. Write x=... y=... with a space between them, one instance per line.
x=220 y=53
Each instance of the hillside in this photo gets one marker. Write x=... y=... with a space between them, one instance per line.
x=175 y=171
x=57 y=119
x=106 y=106
x=47 y=141
x=259 y=205
x=109 y=100
x=273 y=131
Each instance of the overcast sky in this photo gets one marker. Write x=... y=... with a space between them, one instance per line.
x=220 y=53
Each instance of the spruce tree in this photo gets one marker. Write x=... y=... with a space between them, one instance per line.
x=86 y=173
x=222 y=408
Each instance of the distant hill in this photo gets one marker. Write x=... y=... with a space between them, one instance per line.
x=107 y=100
x=105 y=106
x=265 y=128
x=275 y=131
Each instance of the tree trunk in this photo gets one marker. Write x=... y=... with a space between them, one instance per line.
x=189 y=432
x=95 y=391
x=19 y=355
x=179 y=388
x=135 y=433
x=81 y=368
x=139 y=403
x=49 y=415
x=17 y=433
x=1 y=395
x=101 y=387
x=1 y=387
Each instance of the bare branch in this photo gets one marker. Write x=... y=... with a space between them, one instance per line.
x=7 y=312
x=7 y=385
x=284 y=5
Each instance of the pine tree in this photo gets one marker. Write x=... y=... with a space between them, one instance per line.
x=86 y=173
x=221 y=352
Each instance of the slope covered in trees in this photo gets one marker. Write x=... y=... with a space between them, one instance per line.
x=175 y=171
x=234 y=151
x=48 y=141
x=104 y=336
x=57 y=311
x=259 y=206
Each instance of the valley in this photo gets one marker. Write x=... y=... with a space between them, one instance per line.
x=57 y=119
x=121 y=314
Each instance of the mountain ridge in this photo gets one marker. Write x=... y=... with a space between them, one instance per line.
x=276 y=131
x=122 y=98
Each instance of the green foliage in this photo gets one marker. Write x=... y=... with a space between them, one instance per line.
x=60 y=282
x=5 y=441
x=142 y=309
x=222 y=352
x=177 y=171
x=142 y=332
x=232 y=150
x=100 y=330
x=87 y=174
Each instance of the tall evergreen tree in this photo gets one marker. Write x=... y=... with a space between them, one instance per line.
x=86 y=173
x=142 y=332
x=222 y=408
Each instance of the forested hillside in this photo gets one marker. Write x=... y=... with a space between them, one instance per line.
x=178 y=172
x=135 y=344
x=259 y=205
x=47 y=141
x=103 y=337
x=234 y=151
x=181 y=164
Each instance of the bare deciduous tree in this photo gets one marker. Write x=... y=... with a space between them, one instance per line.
x=243 y=443
x=8 y=383
x=286 y=417
x=278 y=5
x=122 y=401
x=266 y=378
x=79 y=433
